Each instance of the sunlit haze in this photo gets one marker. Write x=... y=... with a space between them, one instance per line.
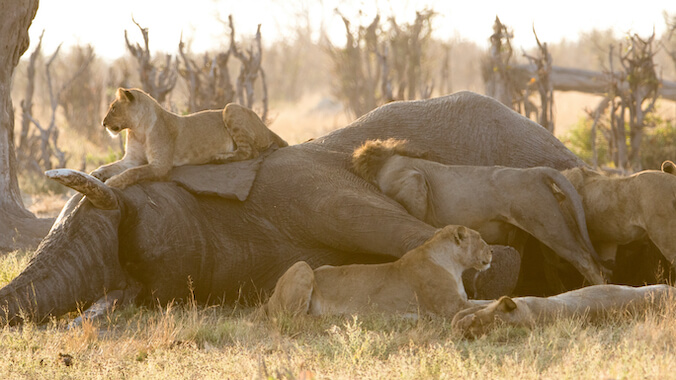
x=102 y=24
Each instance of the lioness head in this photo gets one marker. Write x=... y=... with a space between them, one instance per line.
x=479 y=320
x=125 y=111
x=469 y=249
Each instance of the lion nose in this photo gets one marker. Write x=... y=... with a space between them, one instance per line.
x=485 y=262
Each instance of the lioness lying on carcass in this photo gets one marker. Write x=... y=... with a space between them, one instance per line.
x=590 y=303
x=496 y=201
x=426 y=280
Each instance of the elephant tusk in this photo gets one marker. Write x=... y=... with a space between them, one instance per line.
x=98 y=193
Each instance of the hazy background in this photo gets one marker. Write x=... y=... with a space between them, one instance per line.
x=297 y=38
x=89 y=22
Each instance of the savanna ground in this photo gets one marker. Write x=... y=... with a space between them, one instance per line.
x=197 y=342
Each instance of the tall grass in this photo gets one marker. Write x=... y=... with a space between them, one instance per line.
x=194 y=341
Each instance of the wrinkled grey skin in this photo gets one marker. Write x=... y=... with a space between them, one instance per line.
x=305 y=204
x=498 y=280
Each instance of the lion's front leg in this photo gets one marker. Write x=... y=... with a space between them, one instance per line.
x=137 y=174
x=134 y=156
x=159 y=151
x=107 y=171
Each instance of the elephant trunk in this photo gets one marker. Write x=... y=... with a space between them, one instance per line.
x=73 y=266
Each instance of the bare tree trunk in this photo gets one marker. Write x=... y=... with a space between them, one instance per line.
x=18 y=227
x=496 y=75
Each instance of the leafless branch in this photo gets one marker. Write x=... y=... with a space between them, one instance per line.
x=249 y=69
x=158 y=82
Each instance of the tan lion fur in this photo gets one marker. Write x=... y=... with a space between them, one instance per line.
x=158 y=140
x=425 y=280
x=620 y=210
x=590 y=303
x=496 y=201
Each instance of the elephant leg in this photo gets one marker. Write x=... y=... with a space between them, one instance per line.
x=367 y=223
x=551 y=270
x=293 y=291
x=498 y=280
x=607 y=252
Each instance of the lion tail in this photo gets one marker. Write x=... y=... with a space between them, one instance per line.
x=571 y=204
x=368 y=159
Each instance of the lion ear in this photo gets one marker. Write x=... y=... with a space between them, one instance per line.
x=507 y=304
x=123 y=94
x=460 y=234
x=669 y=167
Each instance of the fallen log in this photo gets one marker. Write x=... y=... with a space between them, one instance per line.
x=587 y=81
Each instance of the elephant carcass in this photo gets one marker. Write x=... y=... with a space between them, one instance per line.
x=160 y=241
x=460 y=129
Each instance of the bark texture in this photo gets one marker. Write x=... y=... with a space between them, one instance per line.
x=18 y=227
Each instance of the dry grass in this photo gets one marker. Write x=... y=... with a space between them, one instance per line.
x=191 y=341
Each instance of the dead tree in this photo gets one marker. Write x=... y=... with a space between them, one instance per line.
x=249 y=70
x=631 y=96
x=543 y=62
x=378 y=66
x=43 y=144
x=497 y=67
x=586 y=81
x=407 y=48
x=158 y=82
x=81 y=101
x=20 y=228
x=356 y=68
x=639 y=68
x=27 y=102
x=445 y=71
x=209 y=85
x=669 y=43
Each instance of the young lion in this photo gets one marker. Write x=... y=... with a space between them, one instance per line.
x=591 y=303
x=426 y=279
x=158 y=140
x=498 y=202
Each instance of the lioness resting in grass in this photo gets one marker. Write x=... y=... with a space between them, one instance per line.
x=620 y=210
x=590 y=303
x=158 y=140
x=496 y=201
x=426 y=280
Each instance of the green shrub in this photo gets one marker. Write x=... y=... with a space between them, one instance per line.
x=658 y=144
x=578 y=140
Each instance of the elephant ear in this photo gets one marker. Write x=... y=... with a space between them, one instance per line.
x=231 y=181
